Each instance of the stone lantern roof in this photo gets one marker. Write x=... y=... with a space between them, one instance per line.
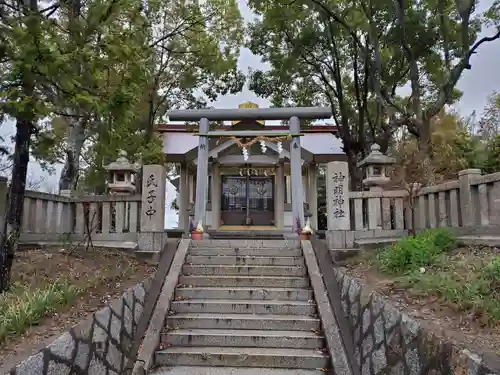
x=122 y=164
x=375 y=164
x=376 y=158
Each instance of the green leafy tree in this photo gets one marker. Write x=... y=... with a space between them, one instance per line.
x=435 y=39
x=489 y=135
x=492 y=162
x=45 y=62
x=141 y=62
x=103 y=44
x=489 y=123
x=354 y=55
x=315 y=61
x=26 y=60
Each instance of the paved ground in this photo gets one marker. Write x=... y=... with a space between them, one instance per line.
x=188 y=370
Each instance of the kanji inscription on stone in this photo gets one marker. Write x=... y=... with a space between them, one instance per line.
x=151 y=196
x=151 y=181
x=337 y=184
x=153 y=199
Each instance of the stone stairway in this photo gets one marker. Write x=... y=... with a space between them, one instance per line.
x=243 y=307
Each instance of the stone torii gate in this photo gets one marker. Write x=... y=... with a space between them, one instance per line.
x=292 y=115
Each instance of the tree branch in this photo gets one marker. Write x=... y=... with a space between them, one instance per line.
x=455 y=74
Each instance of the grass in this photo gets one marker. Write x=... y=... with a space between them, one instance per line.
x=53 y=290
x=21 y=309
x=430 y=265
x=470 y=284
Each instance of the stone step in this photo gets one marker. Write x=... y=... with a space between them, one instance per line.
x=244 y=270
x=248 y=243
x=201 y=370
x=249 y=260
x=284 y=294
x=254 y=281
x=277 y=252
x=242 y=357
x=242 y=338
x=244 y=307
x=244 y=321
x=253 y=234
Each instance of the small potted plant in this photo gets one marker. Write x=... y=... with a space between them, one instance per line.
x=306 y=232
x=197 y=233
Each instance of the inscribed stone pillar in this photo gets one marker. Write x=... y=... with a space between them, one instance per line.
x=216 y=195
x=296 y=174
x=202 y=175
x=337 y=196
x=183 y=197
x=467 y=211
x=152 y=237
x=312 y=198
x=279 y=199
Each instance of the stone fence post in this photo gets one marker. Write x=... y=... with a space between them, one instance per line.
x=152 y=236
x=467 y=211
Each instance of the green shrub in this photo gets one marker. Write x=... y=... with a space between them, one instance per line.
x=21 y=309
x=491 y=273
x=411 y=253
x=442 y=238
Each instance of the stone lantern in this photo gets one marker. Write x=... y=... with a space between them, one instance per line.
x=121 y=175
x=375 y=165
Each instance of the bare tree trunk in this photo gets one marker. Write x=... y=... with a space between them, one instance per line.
x=356 y=173
x=12 y=224
x=71 y=169
x=426 y=151
x=150 y=126
x=76 y=132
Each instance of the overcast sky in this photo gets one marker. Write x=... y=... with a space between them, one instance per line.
x=476 y=84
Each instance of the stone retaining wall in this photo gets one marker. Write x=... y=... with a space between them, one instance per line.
x=389 y=342
x=98 y=345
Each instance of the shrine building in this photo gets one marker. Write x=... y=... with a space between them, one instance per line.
x=249 y=177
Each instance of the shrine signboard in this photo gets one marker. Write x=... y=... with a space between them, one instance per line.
x=337 y=189
x=153 y=199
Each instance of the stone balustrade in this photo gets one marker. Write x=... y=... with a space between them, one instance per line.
x=375 y=210
x=469 y=205
x=119 y=219
x=47 y=213
x=49 y=218
x=471 y=201
x=438 y=206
